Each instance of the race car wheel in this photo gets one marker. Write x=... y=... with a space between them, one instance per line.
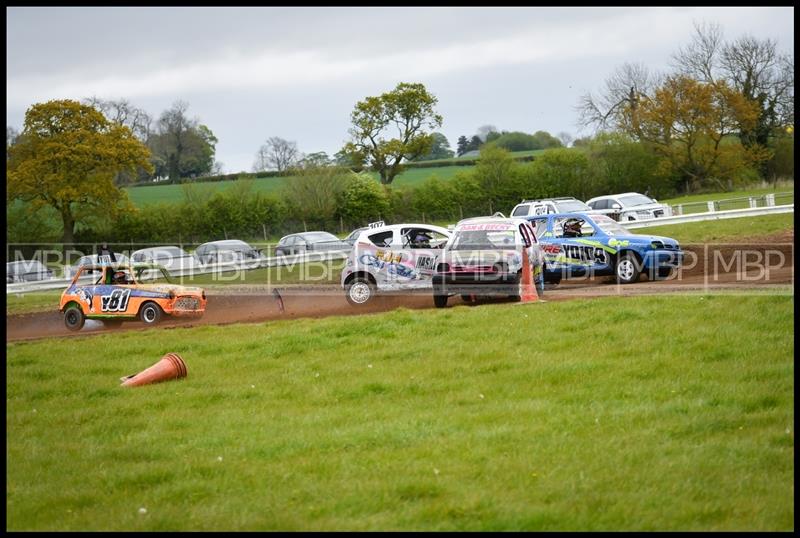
x=360 y=291
x=627 y=269
x=74 y=318
x=150 y=314
x=112 y=323
x=440 y=301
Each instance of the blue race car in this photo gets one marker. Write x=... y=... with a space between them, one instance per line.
x=580 y=244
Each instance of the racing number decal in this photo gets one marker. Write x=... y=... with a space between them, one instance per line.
x=116 y=302
x=426 y=263
x=585 y=253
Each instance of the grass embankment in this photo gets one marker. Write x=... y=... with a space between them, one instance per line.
x=727 y=230
x=780 y=188
x=142 y=196
x=482 y=418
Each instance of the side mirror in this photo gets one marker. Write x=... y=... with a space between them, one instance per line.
x=616 y=206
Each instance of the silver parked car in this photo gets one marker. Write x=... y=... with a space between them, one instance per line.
x=26 y=271
x=92 y=259
x=171 y=257
x=545 y=206
x=227 y=250
x=629 y=206
x=351 y=238
x=303 y=242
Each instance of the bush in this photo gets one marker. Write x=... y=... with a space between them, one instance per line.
x=363 y=200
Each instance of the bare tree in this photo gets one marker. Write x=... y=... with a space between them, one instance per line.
x=123 y=112
x=753 y=67
x=699 y=59
x=617 y=105
x=11 y=138
x=277 y=154
x=484 y=130
x=566 y=138
x=174 y=130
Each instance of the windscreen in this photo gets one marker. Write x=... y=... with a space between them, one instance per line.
x=635 y=199
x=572 y=205
x=484 y=240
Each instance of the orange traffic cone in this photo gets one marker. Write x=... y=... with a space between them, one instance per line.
x=171 y=366
x=527 y=289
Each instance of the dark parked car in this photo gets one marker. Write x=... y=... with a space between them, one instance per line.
x=301 y=243
x=227 y=250
x=27 y=270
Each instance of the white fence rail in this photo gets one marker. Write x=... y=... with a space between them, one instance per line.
x=218 y=268
x=752 y=202
x=709 y=215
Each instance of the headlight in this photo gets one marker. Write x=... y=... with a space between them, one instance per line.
x=657 y=244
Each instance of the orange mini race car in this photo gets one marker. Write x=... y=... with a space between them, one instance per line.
x=119 y=292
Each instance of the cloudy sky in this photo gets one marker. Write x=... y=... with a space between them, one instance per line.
x=252 y=73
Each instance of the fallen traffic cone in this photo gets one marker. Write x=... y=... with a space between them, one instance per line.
x=527 y=289
x=171 y=366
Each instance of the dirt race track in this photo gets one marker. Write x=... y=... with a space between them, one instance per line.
x=765 y=266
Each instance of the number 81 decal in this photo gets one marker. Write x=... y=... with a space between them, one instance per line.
x=116 y=302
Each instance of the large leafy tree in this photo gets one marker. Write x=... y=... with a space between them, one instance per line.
x=691 y=124
x=406 y=112
x=67 y=158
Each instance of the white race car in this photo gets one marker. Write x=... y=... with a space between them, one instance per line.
x=392 y=258
x=485 y=257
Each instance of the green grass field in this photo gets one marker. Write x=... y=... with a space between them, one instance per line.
x=477 y=419
x=142 y=196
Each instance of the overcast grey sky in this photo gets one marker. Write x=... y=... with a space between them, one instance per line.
x=252 y=73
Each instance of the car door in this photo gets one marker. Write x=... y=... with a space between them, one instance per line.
x=417 y=258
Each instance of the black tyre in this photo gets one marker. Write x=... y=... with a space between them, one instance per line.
x=112 y=323
x=627 y=269
x=440 y=301
x=360 y=291
x=467 y=298
x=665 y=273
x=150 y=313
x=553 y=277
x=74 y=318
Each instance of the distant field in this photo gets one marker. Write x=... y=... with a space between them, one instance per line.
x=670 y=413
x=142 y=196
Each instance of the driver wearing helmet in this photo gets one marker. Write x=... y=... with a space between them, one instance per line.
x=119 y=278
x=572 y=228
x=422 y=240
